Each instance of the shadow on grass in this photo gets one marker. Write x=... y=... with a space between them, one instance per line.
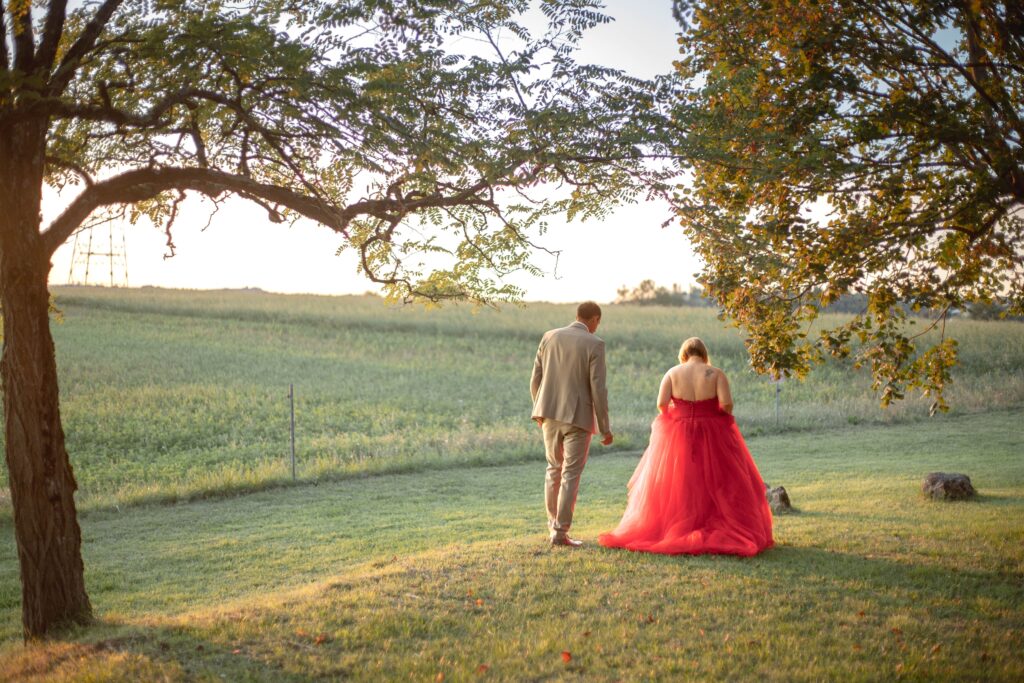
x=111 y=650
x=421 y=605
x=980 y=498
x=865 y=576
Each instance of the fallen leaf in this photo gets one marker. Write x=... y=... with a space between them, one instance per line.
x=479 y=602
x=482 y=669
x=236 y=651
x=650 y=618
x=320 y=639
x=896 y=630
x=726 y=639
x=439 y=678
x=566 y=656
x=586 y=634
x=860 y=613
x=701 y=631
x=857 y=647
x=935 y=648
x=899 y=667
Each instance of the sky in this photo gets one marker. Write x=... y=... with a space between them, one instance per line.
x=240 y=248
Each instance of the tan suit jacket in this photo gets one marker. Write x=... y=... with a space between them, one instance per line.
x=569 y=383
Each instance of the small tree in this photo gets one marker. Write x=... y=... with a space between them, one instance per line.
x=359 y=115
x=650 y=294
x=903 y=122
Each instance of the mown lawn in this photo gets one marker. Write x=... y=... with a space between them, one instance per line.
x=444 y=574
x=177 y=395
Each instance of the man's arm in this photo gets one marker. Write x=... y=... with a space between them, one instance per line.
x=538 y=373
x=599 y=392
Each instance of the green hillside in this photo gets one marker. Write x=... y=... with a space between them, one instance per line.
x=171 y=395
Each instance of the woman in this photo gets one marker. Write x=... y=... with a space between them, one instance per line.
x=696 y=489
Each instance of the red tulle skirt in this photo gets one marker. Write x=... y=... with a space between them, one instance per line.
x=696 y=489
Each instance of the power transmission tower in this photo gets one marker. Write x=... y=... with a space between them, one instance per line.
x=99 y=256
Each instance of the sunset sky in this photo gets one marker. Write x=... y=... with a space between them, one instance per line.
x=241 y=248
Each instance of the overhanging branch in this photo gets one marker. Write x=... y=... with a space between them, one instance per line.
x=143 y=184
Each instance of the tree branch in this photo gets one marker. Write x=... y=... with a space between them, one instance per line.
x=143 y=184
x=81 y=47
x=5 y=64
x=24 y=43
x=72 y=166
x=52 y=31
x=61 y=110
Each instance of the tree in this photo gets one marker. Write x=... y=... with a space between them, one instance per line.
x=433 y=136
x=647 y=293
x=854 y=146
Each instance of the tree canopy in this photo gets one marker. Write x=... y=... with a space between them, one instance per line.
x=358 y=115
x=854 y=146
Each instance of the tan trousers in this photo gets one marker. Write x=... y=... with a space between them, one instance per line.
x=566 y=448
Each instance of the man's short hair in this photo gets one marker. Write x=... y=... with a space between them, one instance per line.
x=588 y=310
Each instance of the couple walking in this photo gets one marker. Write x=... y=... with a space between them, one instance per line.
x=696 y=489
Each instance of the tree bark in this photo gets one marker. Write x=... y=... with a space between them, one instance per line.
x=41 y=480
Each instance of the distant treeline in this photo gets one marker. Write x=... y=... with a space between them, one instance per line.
x=648 y=293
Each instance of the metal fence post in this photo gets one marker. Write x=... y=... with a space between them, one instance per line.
x=778 y=390
x=291 y=401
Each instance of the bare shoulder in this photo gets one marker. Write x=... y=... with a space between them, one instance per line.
x=716 y=373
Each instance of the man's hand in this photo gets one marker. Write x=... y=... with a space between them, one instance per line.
x=607 y=439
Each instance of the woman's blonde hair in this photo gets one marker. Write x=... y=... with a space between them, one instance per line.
x=693 y=347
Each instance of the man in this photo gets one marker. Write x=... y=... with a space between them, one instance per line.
x=570 y=403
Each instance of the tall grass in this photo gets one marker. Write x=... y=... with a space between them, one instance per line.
x=170 y=394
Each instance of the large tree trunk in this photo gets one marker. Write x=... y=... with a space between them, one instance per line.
x=42 y=484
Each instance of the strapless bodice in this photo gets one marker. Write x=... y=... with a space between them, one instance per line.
x=708 y=407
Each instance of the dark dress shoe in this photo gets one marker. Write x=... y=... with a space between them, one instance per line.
x=566 y=541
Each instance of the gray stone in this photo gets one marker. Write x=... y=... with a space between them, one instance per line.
x=778 y=499
x=948 y=486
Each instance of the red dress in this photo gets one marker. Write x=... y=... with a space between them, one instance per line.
x=696 y=489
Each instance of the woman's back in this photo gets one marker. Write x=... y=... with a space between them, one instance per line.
x=695 y=380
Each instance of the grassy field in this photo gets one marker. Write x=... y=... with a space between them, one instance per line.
x=444 y=575
x=176 y=395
